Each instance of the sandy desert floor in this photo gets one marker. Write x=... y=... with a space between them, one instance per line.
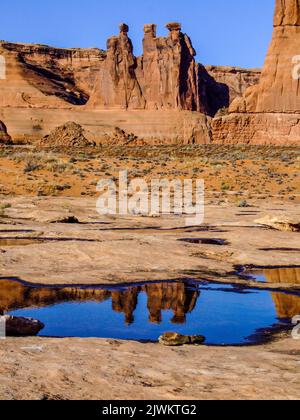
x=114 y=250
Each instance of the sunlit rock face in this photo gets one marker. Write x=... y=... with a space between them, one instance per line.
x=117 y=86
x=270 y=111
x=165 y=77
x=168 y=71
x=54 y=85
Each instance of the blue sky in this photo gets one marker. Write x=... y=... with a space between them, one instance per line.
x=224 y=32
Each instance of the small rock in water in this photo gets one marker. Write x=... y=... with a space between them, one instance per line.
x=196 y=340
x=22 y=327
x=174 y=339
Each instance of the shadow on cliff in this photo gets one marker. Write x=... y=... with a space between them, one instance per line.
x=214 y=95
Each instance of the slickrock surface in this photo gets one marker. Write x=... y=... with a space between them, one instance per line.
x=130 y=370
x=270 y=111
x=104 y=250
x=127 y=370
x=113 y=250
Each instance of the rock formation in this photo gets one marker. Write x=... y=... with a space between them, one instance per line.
x=39 y=76
x=67 y=135
x=44 y=87
x=117 y=86
x=168 y=71
x=4 y=136
x=270 y=111
x=221 y=85
x=165 y=77
x=22 y=327
x=282 y=223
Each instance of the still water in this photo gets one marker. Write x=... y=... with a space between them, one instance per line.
x=224 y=314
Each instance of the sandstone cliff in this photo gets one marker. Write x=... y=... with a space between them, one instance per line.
x=94 y=87
x=221 y=85
x=270 y=111
x=166 y=76
x=45 y=77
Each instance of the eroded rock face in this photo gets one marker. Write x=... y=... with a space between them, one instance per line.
x=117 y=85
x=41 y=81
x=165 y=77
x=39 y=76
x=221 y=85
x=4 y=136
x=167 y=70
x=270 y=111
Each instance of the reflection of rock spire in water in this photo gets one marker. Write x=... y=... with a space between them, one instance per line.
x=172 y=296
x=126 y=302
x=176 y=297
x=15 y=295
x=287 y=306
x=283 y=275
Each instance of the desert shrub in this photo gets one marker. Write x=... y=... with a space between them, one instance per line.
x=243 y=204
x=32 y=165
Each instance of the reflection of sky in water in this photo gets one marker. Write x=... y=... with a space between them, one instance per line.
x=260 y=277
x=221 y=314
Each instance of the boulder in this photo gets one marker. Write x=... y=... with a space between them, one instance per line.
x=173 y=339
x=72 y=220
x=22 y=327
x=282 y=223
x=4 y=136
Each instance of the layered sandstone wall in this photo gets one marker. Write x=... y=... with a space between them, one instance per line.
x=270 y=111
x=46 y=77
x=45 y=87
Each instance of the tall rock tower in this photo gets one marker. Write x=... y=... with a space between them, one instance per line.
x=270 y=111
x=117 y=85
x=169 y=74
